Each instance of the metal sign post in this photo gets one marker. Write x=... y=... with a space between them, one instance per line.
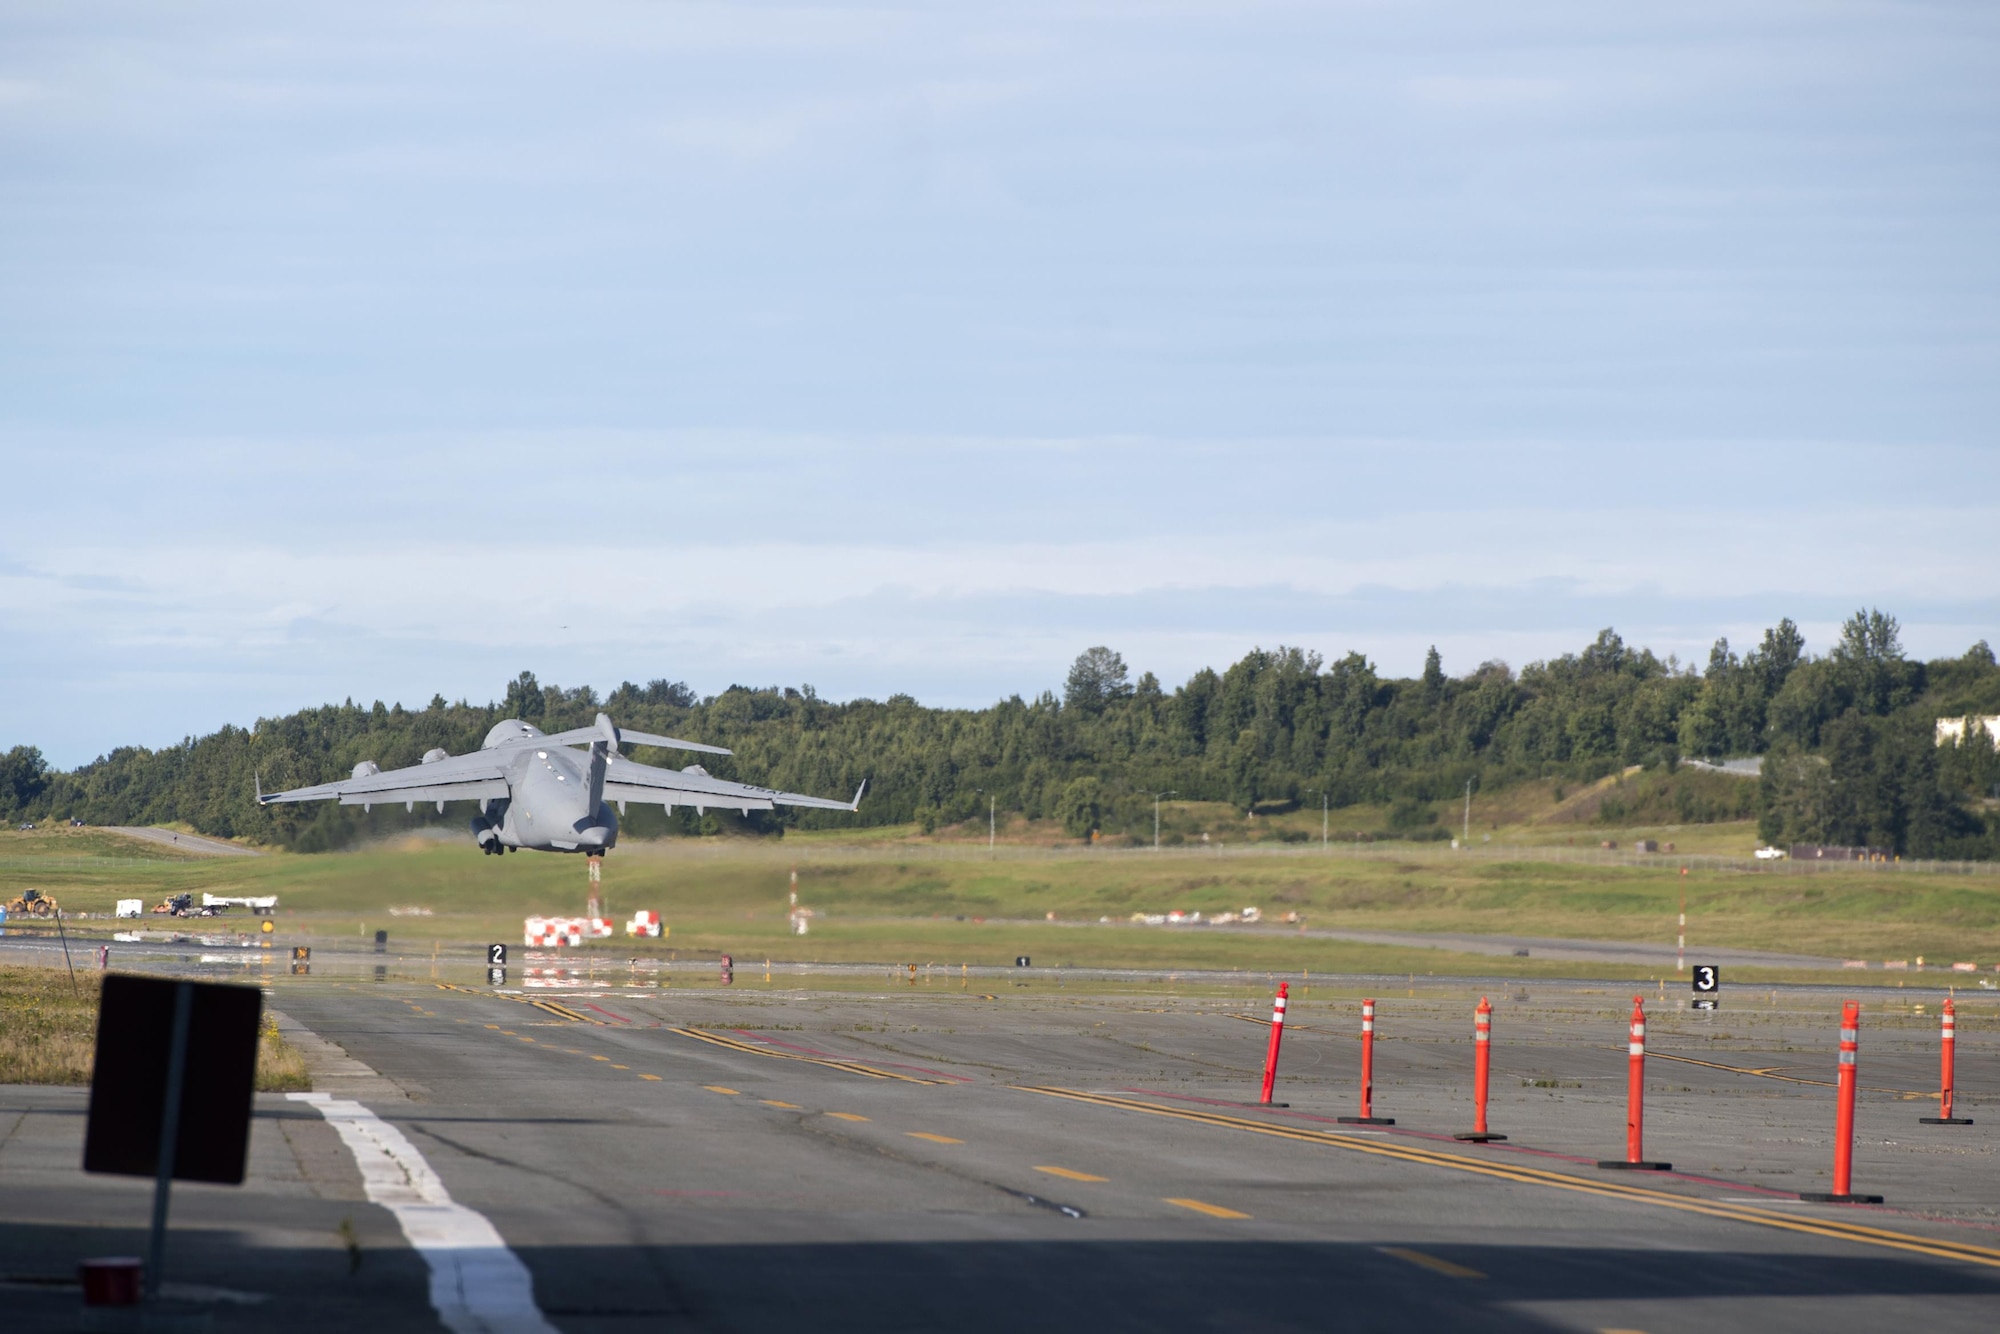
x=171 y=1089
x=170 y=1136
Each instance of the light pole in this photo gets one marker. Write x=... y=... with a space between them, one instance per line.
x=1170 y=792
x=1323 y=845
x=1468 y=813
x=989 y=818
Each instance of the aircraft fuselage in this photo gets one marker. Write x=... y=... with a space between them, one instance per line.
x=557 y=804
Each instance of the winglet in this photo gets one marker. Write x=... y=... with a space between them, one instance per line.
x=855 y=805
x=609 y=729
x=258 y=778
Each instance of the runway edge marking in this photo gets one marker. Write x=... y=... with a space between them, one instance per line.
x=478 y=1285
x=851 y=1067
x=1532 y=1176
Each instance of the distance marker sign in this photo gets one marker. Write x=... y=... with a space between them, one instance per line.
x=1707 y=979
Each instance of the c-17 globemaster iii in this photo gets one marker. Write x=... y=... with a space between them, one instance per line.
x=535 y=791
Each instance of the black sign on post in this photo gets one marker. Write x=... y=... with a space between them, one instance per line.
x=381 y=942
x=302 y=953
x=1021 y=961
x=1707 y=979
x=496 y=956
x=170 y=1089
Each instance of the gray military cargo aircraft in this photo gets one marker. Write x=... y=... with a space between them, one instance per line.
x=534 y=791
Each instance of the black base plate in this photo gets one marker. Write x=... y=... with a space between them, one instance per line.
x=1944 y=1120
x=1366 y=1120
x=1622 y=1166
x=1478 y=1137
x=1821 y=1197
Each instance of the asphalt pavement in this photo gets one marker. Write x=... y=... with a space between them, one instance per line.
x=975 y=1155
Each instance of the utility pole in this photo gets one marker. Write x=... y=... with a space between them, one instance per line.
x=1468 y=812
x=1170 y=792
x=991 y=823
x=1323 y=816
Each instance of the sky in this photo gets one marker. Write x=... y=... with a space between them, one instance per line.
x=379 y=351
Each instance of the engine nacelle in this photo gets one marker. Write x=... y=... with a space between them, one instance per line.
x=366 y=769
x=436 y=753
x=508 y=730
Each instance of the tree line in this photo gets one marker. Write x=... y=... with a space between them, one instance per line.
x=1846 y=736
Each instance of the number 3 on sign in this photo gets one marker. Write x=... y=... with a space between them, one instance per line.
x=1707 y=979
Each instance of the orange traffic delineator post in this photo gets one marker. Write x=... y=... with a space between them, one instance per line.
x=1271 y=1051
x=1635 y=1099
x=1482 y=1066
x=1367 y=1117
x=1945 y=1078
x=1843 y=1121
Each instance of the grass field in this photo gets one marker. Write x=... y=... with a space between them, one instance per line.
x=948 y=902
x=48 y=1028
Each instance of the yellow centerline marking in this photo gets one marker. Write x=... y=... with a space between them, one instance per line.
x=1202 y=1207
x=494 y=1027
x=751 y=1048
x=935 y=1139
x=654 y=1078
x=1435 y=1264
x=600 y=1058
x=846 y=1116
x=1771 y=1072
x=1533 y=1176
x=621 y=1067
x=788 y=1106
x=717 y=1088
x=1070 y=1174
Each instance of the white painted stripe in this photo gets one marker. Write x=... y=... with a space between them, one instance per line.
x=477 y=1285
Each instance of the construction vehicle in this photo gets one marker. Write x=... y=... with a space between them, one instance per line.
x=176 y=905
x=33 y=903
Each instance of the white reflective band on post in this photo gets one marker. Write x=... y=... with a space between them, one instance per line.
x=1849 y=1035
x=1368 y=1025
x=1636 y=1049
x=1639 y=1031
x=1847 y=1058
x=1479 y=1035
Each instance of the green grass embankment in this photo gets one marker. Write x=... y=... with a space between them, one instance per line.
x=895 y=903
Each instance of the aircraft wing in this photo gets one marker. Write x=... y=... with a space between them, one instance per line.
x=473 y=777
x=627 y=780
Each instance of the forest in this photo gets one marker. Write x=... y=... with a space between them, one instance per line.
x=1846 y=736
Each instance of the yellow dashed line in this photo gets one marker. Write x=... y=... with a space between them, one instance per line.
x=621 y=1067
x=788 y=1106
x=1433 y=1263
x=600 y=1058
x=717 y=1088
x=1070 y=1174
x=654 y=1078
x=1533 y=1176
x=846 y=1116
x=494 y=1027
x=527 y=1039
x=1212 y=1210
x=935 y=1139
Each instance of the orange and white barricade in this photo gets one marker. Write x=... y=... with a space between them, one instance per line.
x=644 y=924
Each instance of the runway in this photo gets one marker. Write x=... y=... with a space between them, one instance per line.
x=931 y=1157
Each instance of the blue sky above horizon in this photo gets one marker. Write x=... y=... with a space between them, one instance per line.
x=384 y=351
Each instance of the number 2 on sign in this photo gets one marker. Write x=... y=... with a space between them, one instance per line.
x=496 y=955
